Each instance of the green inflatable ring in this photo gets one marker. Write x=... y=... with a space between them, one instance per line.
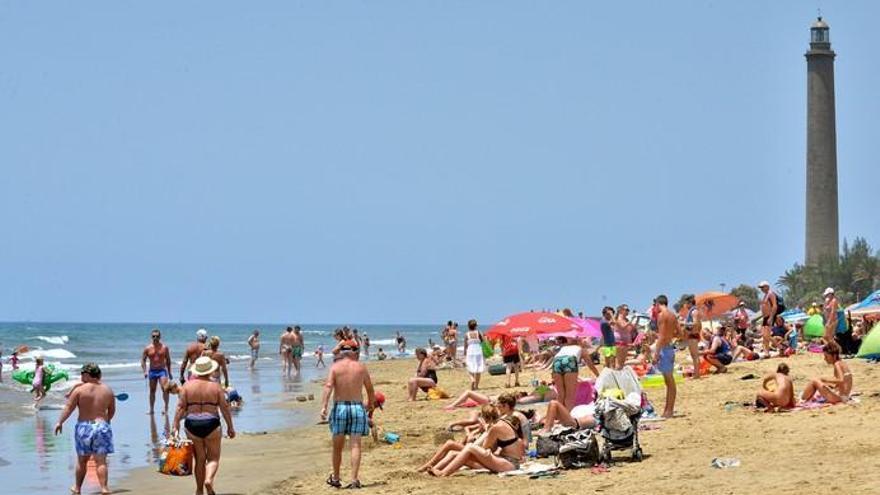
x=50 y=376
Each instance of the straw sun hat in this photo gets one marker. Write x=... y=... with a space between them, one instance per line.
x=204 y=366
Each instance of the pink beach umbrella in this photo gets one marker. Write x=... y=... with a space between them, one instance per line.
x=587 y=327
x=532 y=324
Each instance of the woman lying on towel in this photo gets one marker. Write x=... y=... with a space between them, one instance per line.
x=833 y=390
x=501 y=450
x=579 y=417
x=470 y=398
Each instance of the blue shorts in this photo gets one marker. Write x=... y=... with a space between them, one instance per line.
x=93 y=438
x=667 y=360
x=158 y=374
x=349 y=418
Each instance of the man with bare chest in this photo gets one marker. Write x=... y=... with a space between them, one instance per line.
x=159 y=371
x=193 y=352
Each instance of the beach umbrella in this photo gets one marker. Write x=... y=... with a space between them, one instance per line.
x=587 y=328
x=870 y=348
x=531 y=324
x=715 y=304
x=815 y=327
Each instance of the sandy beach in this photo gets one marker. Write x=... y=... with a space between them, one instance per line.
x=830 y=450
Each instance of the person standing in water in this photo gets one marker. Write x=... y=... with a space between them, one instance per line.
x=193 y=352
x=92 y=435
x=159 y=373
x=297 y=348
x=285 y=349
x=254 y=343
x=664 y=356
x=345 y=381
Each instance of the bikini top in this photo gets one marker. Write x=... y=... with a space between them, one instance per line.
x=500 y=444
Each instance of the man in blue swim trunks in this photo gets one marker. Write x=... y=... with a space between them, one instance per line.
x=345 y=380
x=159 y=357
x=93 y=436
x=664 y=355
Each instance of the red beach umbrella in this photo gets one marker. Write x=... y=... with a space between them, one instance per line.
x=532 y=324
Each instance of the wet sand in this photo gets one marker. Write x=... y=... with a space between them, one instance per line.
x=830 y=450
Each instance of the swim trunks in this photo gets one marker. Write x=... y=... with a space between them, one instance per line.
x=297 y=351
x=93 y=438
x=609 y=351
x=667 y=360
x=255 y=353
x=724 y=359
x=565 y=364
x=512 y=359
x=158 y=374
x=349 y=418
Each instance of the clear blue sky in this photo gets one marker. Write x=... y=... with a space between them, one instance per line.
x=411 y=161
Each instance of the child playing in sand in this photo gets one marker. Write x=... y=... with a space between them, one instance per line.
x=782 y=397
x=836 y=389
x=381 y=355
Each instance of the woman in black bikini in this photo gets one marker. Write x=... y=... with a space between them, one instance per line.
x=200 y=403
x=426 y=375
x=502 y=449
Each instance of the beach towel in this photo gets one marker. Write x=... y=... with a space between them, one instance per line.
x=531 y=468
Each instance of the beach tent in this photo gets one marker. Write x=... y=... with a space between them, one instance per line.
x=815 y=327
x=870 y=348
x=868 y=305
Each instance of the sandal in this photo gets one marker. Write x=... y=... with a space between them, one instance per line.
x=335 y=483
x=354 y=485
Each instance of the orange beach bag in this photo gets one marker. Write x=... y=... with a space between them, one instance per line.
x=176 y=458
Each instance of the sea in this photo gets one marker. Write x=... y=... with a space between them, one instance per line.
x=34 y=460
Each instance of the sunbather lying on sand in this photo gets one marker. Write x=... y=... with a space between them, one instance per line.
x=782 y=396
x=835 y=389
x=580 y=417
x=541 y=393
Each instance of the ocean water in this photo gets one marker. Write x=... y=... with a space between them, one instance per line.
x=34 y=460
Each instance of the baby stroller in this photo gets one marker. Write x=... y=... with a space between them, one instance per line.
x=618 y=409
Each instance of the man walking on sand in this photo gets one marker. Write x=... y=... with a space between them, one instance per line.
x=664 y=356
x=159 y=373
x=93 y=436
x=345 y=380
x=193 y=352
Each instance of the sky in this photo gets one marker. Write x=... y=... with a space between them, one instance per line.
x=412 y=161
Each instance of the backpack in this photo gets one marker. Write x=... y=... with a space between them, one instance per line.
x=780 y=304
x=578 y=450
x=547 y=444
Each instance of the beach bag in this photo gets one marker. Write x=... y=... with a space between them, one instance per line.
x=497 y=369
x=578 y=450
x=547 y=444
x=488 y=350
x=176 y=458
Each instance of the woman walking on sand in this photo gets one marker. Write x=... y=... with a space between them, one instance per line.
x=200 y=403
x=474 y=360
